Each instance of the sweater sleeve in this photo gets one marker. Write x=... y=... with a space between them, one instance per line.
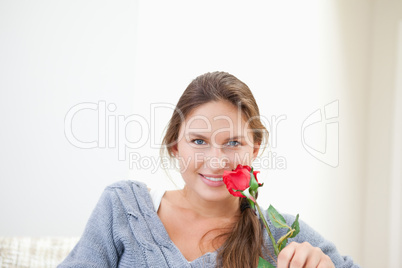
x=96 y=247
x=307 y=234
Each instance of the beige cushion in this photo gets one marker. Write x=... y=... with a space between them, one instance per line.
x=34 y=252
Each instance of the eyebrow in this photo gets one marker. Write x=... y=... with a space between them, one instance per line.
x=195 y=134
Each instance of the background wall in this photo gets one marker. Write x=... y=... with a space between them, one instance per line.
x=86 y=89
x=383 y=167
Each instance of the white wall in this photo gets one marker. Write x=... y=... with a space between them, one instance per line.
x=394 y=232
x=299 y=58
x=53 y=56
x=381 y=242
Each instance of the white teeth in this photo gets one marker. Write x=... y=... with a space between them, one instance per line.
x=213 y=179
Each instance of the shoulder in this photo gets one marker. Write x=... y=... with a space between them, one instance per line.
x=128 y=194
x=125 y=188
x=127 y=184
x=306 y=234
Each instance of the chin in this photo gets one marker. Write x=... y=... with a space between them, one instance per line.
x=216 y=195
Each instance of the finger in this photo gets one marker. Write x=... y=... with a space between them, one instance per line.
x=301 y=255
x=286 y=255
x=326 y=262
x=314 y=257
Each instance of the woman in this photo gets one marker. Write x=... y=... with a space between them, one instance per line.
x=214 y=127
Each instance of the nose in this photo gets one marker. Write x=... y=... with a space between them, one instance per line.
x=217 y=158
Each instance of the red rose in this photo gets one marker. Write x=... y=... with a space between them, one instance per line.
x=238 y=179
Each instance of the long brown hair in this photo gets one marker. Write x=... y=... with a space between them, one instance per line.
x=243 y=244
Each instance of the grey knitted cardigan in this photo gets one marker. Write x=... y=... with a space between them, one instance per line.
x=124 y=230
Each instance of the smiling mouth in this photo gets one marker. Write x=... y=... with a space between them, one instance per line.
x=212 y=179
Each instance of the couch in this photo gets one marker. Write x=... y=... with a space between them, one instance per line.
x=24 y=252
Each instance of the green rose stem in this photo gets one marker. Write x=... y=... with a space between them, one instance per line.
x=269 y=231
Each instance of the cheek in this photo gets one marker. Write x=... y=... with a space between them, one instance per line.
x=190 y=159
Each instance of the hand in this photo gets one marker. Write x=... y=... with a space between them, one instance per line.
x=296 y=255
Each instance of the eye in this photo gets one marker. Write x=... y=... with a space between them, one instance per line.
x=198 y=142
x=233 y=143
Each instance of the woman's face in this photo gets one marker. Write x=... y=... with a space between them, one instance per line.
x=213 y=138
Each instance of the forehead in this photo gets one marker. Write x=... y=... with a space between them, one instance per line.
x=216 y=115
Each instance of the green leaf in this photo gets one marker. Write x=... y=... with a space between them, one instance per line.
x=295 y=225
x=283 y=244
x=264 y=264
x=276 y=218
